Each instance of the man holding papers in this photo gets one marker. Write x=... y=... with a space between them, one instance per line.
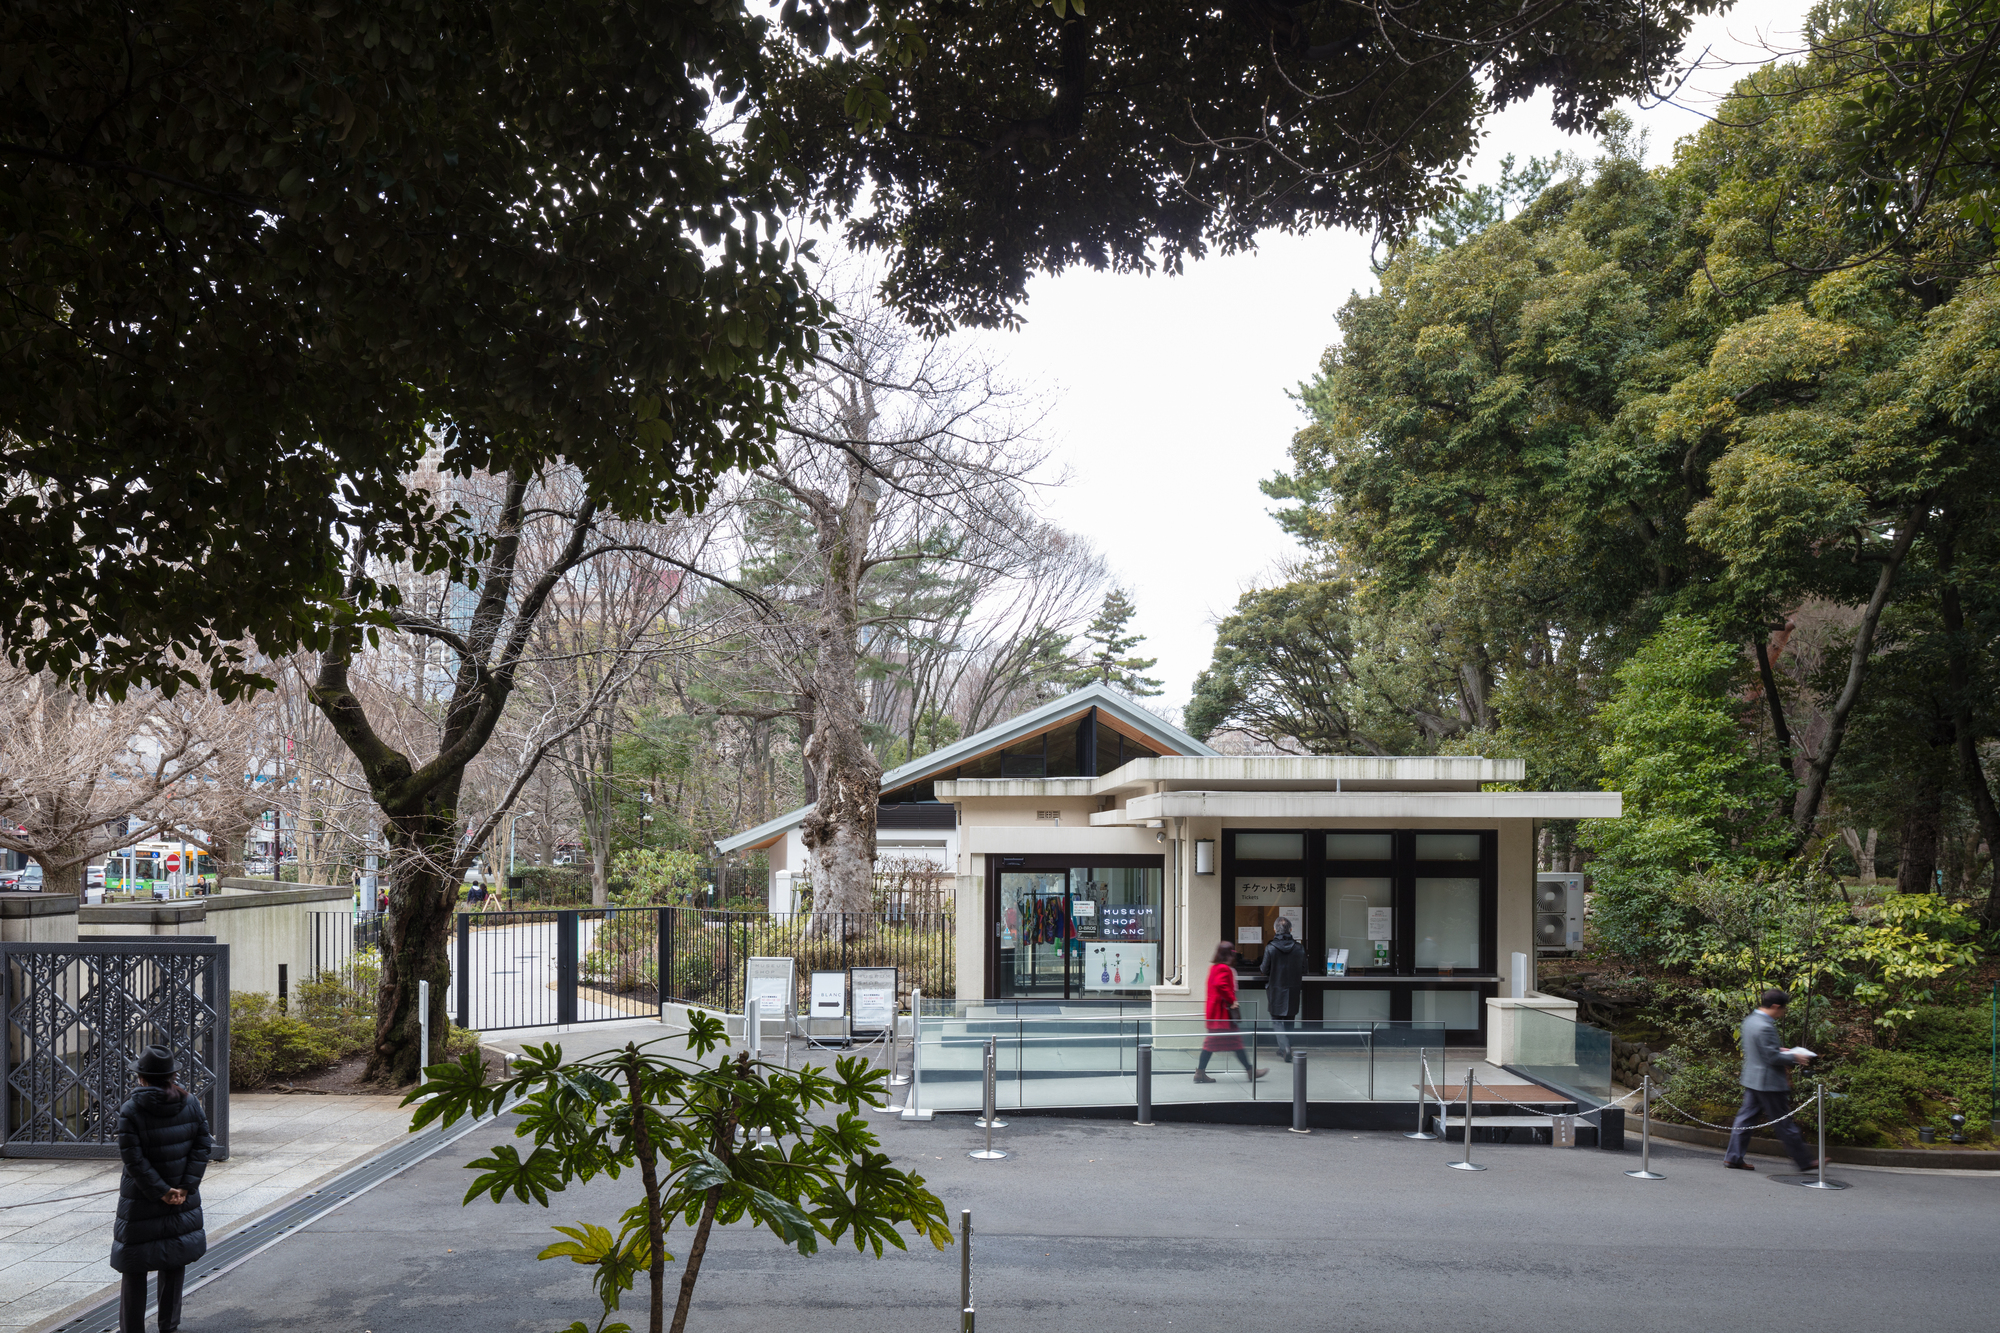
x=1767 y=1084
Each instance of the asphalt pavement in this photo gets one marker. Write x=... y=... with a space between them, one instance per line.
x=1100 y=1224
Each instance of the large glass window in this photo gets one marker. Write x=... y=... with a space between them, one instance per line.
x=1446 y=924
x=1270 y=846
x=1453 y=1008
x=1260 y=901
x=1077 y=931
x=1359 y=913
x=1447 y=847
x=1360 y=846
x=1350 y=1003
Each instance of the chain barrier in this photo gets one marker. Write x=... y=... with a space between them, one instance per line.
x=1727 y=1129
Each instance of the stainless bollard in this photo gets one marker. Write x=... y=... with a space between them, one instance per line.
x=1423 y=1090
x=1645 y=1171
x=753 y=1024
x=1299 y=1093
x=911 y=1108
x=898 y=1079
x=992 y=1120
x=1819 y=1113
x=1145 y=1093
x=424 y=1024
x=1466 y=1163
x=965 y=1271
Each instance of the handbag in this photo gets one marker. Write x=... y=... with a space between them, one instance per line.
x=1235 y=1013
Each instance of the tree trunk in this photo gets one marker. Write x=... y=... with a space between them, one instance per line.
x=1972 y=774
x=416 y=936
x=1805 y=810
x=1863 y=850
x=840 y=832
x=1923 y=820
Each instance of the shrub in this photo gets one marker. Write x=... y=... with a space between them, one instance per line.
x=266 y=1043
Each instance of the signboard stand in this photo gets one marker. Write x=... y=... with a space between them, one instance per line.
x=826 y=1015
x=771 y=980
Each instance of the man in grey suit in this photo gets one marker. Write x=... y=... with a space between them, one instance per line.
x=1767 y=1085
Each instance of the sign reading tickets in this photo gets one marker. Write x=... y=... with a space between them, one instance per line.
x=874 y=998
x=1270 y=891
x=829 y=995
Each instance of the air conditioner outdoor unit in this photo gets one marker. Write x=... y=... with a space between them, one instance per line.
x=1558 y=912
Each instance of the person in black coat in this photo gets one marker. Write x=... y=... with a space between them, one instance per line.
x=1284 y=970
x=163 y=1138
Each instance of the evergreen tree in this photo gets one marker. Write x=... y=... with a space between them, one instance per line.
x=1109 y=664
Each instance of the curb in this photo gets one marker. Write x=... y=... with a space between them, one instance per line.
x=1943 y=1159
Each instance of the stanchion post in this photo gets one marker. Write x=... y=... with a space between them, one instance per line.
x=1145 y=1092
x=1645 y=1171
x=897 y=1078
x=1423 y=1088
x=992 y=1118
x=1299 y=1125
x=424 y=1024
x=1466 y=1163
x=753 y=1015
x=1819 y=1113
x=965 y=1316
x=911 y=1109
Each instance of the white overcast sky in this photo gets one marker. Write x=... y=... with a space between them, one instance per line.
x=1170 y=394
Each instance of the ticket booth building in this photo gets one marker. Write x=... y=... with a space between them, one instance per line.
x=1409 y=882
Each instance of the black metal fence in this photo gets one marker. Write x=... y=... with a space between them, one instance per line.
x=583 y=965
x=76 y=1017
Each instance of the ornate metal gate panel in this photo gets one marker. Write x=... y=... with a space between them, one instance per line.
x=76 y=1017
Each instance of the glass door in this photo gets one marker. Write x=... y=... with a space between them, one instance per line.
x=1078 y=932
x=1037 y=933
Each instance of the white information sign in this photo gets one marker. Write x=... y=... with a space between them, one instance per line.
x=770 y=980
x=829 y=995
x=1249 y=934
x=1380 y=923
x=874 y=998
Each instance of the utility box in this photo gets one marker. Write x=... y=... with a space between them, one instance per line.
x=1558 y=911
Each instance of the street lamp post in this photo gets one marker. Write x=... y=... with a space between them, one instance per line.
x=518 y=815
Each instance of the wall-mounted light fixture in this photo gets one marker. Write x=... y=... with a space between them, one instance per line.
x=1204 y=856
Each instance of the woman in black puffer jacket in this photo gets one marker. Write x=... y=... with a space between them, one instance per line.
x=163 y=1137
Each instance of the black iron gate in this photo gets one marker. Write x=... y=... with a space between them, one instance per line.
x=596 y=965
x=76 y=1018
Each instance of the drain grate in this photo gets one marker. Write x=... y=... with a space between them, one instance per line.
x=273 y=1227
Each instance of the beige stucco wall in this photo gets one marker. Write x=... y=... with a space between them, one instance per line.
x=1007 y=825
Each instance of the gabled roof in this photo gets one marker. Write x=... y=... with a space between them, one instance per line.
x=1115 y=708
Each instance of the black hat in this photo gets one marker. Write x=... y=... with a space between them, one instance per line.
x=155 y=1062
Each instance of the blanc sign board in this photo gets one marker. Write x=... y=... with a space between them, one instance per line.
x=826 y=1017
x=874 y=991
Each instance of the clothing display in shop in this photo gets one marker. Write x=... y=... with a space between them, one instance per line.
x=1047 y=921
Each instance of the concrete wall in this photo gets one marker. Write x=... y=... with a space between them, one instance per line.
x=264 y=923
x=267 y=928
x=38 y=918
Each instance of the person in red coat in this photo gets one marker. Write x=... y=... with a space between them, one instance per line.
x=1221 y=1013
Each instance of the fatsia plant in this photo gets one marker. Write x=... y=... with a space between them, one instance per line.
x=729 y=1142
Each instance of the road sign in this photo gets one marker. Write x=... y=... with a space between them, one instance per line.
x=173 y=862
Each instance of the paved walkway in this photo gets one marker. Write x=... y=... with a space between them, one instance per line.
x=53 y=1256
x=1098 y=1224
